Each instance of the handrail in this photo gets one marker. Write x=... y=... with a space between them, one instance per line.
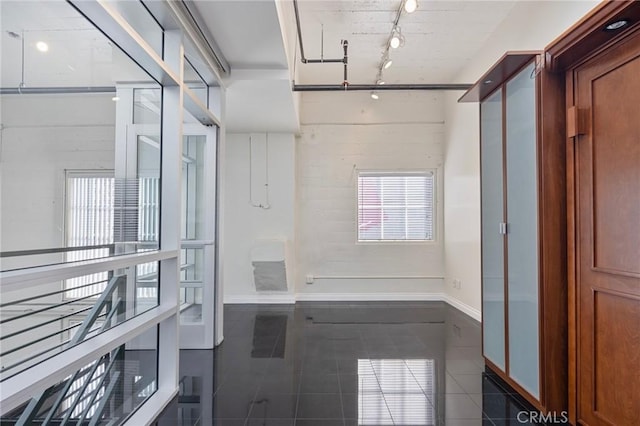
x=40 y=296
x=33 y=327
x=48 y=308
x=16 y=389
x=22 y=278
x=53 y=250
x=36 y=402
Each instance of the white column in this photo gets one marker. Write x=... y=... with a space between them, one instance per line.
x=217 y=100
x=171 y=167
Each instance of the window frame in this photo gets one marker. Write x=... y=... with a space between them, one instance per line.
x=394 y=173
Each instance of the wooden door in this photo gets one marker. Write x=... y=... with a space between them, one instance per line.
x=607 y=93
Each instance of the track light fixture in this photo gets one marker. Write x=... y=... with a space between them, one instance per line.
x=397 y=39
x=410 y=6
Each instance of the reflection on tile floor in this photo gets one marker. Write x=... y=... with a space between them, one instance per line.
x=325 y=364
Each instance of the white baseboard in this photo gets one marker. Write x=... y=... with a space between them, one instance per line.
x=289 y=298
x=469 y=310
x=283 y=298
x=368 y=297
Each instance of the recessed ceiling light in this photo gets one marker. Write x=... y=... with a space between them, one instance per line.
x=617 y=25
x=42 y=46
x=387 y=64
x=375 y=96
x=410 y=6
x=115 y=99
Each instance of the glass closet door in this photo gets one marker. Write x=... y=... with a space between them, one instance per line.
x=493 y=297
x=522 y=237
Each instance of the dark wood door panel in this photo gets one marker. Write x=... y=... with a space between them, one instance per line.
x=615 y=140
x=608 y=240
x=616 y=358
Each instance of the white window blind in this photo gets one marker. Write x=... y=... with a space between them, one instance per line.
x=90 y=219
x=396 y=206
x=100 y=207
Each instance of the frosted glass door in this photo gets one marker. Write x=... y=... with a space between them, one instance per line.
x=493 y=298
x=522 y=236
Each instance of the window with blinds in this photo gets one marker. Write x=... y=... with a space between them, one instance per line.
x=102 y=210
x=396 y=206
x=90 y=222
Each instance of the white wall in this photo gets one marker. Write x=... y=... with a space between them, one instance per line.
x=245 y=225
x=531 y=25
x=41 y=137
x=344 y=132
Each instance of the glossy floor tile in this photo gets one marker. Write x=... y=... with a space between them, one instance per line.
x=325 y=364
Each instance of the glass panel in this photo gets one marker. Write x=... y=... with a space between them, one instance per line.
x=107 y=390
x=522 y=213
x=148 y=229
x=193 y=187
x=64 y=183
x=146 y=106
x=195 y=82
x=141 y=21
x=42 y=321
x=492 y=241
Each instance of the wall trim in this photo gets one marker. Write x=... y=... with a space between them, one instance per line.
x=259 y=298
x=461 y=306
x=368 y=297
x=289 y=298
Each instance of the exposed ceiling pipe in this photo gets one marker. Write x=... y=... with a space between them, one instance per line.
x=303 y=58
x=358 y=87
x=376 y=87
x=55 y=90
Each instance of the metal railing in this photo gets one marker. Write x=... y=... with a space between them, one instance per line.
x=105 y=309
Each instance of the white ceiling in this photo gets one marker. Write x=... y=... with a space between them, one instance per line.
x=441 y=37
x=259 y=96
x=78 y=55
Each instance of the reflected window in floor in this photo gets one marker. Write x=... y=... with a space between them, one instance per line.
x=392 y=391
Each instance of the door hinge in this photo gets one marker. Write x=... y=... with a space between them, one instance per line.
x=575 y=122
x=503 y=228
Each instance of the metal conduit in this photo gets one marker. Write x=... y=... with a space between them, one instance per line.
x=54 y=90
x=376 y=87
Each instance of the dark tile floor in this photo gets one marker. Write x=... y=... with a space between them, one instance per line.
x=326 y=364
